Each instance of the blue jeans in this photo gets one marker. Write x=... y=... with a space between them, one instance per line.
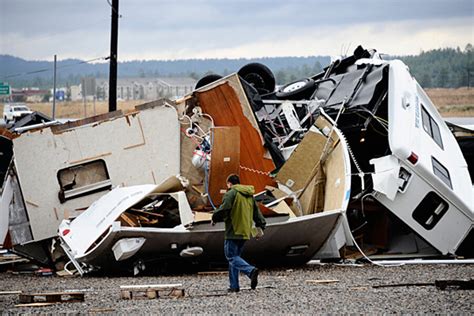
x=232 y=251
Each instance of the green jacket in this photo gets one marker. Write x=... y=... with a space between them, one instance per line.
x=239 y=210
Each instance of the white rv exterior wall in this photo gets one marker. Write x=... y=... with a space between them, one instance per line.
x=138 y=148
x=406 y=135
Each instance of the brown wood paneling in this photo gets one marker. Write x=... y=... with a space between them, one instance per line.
x=222 y=103
x=225 y=160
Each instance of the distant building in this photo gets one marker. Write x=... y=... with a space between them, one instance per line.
x=29 y=95
x=75 y=93
x=146 y=88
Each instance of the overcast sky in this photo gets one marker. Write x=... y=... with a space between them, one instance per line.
x=182 y=29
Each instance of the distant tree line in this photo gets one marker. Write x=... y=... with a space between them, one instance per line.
x=446 y=68
x=442 y=68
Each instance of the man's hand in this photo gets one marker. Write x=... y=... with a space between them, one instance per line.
x=213 y=223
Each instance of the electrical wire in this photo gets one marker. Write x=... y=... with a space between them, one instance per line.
x=50 y=69
x=110 y=4
x=360 y=250
x=206 y=175
x=361 y=174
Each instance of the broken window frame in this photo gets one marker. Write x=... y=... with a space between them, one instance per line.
x=441 y=172
x=431 y=127
x=90 y=188
x=430 y=210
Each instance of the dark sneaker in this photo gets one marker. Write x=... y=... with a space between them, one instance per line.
x=254 y=279
x=230 y=290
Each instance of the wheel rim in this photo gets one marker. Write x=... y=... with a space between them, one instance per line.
x=294 y=86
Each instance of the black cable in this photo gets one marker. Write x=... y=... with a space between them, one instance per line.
x=110 y=4
x=49 y=69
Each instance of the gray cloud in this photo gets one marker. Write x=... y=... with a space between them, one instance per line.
x=188 y=28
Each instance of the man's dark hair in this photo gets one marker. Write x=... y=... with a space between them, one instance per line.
x=234 y=179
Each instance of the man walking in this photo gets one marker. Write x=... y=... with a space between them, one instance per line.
x=238 y=210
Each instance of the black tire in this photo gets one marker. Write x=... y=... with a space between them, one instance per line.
x=259 y=76
x=207 y=80
x=297 y=90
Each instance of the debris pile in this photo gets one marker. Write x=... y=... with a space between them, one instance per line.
x=355 y=156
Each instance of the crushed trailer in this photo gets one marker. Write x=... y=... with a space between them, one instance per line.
x=356 y=155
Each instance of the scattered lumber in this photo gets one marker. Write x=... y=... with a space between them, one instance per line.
x=101 y=310
x=440 y=284
x=152 y=291
x=212 y=272
x=403 y=284
x=38 y=304
x=321 y=281
x=132 y=210
x=55 y=297
x=461 y=284
x=10 y=292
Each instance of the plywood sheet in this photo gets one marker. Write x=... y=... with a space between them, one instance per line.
x=307 y=198
x=225 y=160
x=283 y=208
x=313 y=197
x=298 y=169
x=335 y=179
x=202 y=216
x=223 y=104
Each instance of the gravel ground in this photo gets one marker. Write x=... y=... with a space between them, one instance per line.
x=280 y=291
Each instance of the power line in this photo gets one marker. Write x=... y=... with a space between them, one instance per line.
x=49 y=69
x=110 y=4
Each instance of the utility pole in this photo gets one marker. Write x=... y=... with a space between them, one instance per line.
x=113 y=57
x=54 y=89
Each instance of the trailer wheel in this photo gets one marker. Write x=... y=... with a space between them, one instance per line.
x=259 y=76
x=207 y=80
x=297 y=90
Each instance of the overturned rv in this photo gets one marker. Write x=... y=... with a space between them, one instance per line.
x=410 y=187
x=357 y=154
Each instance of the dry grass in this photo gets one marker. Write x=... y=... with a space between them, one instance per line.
x=76 y=109
x=450 y=102
x=453 y=102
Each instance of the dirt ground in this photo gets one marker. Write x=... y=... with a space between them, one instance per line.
x=450 y=102
x=351 y=289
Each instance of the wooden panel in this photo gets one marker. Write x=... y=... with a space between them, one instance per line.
x=313 y=197
x=225 y=160
x=335 y=181
x=299 y=168
x=222 y=103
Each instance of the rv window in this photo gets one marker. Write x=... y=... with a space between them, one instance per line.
x=430 y=210
x=83 y=179
x=441 y=172
x=431 y=127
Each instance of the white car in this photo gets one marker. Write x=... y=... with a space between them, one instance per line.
x=15 y=111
